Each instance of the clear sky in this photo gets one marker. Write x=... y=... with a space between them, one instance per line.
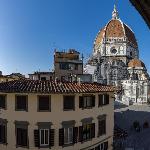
x=31 y=29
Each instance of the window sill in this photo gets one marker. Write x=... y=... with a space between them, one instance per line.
x=68 y=109
x=17 y=146
x=3 y=143
x=46 y=146
x=101 y=135
x=87 y=107
x=21 y=110
x=87 y=140
x=70 y=144
x=44 y=111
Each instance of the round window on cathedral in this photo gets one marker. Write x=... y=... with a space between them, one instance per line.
x=114 y=51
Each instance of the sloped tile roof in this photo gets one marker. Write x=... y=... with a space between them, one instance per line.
x=33 y=86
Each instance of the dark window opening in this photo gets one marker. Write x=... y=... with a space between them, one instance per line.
x=101 y=127
x=76 y=67
x=3 y=134
x=103 y=99
x=43 y=78
x=21 y=103
x=21 y=137
x=64 y=66
x=69 y=103
x=86 y=101
x=3 y=101
x=88 y=131
x=44 y=103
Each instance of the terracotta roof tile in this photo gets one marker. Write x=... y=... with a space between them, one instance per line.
x=32 y=86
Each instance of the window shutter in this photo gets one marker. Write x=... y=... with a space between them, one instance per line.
x=75 y=134
x=61 y=137
x=93 y=101
x=3 y=134
x=107 y=99
x=93 y=130
x=100 y=100
x=106 y=145
x=51 y=138
x=80 y=101
x=80 y=134
x=36 y=138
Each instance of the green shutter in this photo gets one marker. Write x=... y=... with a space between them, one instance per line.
x=100 y=100
x=80 y=134
x=51 y=138
x=80 y=101
x=75 y=134
x=61 y=137
x=36 y=138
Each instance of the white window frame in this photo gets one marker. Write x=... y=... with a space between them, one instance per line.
x=44 y=144
x=69 y=140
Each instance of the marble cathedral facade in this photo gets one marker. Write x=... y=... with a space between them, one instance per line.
x=116 y=59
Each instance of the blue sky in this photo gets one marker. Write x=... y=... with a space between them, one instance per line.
x=31 y=29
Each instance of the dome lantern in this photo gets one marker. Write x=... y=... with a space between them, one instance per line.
x=115 y=14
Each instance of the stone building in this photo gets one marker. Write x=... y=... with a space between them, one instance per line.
x=38 y=75
x=54 y=115
x=67 y=65
x=115 y=48
x=136 y=87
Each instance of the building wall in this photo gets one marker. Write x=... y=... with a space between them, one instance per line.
x=40 y=76
x=6 y=79
x=67 y=72
x=56 y=116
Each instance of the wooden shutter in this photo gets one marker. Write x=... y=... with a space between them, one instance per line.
x=3 y=133
x=81 y=102
x=107 y=99
x=93 y=130
x=36 y=138
x=61 y=137
x=100 y=100
x=80 y=134
x=106 y=145
x=75 y=134
x=51 y=138
x=93 y=101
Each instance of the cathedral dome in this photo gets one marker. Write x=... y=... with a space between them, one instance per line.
x=115 y=28
x=136 y=63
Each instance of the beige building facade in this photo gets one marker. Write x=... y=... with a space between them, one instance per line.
x=78 y=119
x=67 y=65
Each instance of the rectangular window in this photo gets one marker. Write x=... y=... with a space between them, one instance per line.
x=69 y=103
x=102 y=127
x=103 y=99
x=86 y=132
x=64 y=66
x=44 y=137
x=44 y=103
x=76 y=67
x=3 y=101
x=43 y=78
x=21 y=103
x=21 y=137
x=2 y=133
x=86 y=101
x=68 y=135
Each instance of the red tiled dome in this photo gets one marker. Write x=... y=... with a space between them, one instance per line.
x=136 y=63
x=115 y=28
